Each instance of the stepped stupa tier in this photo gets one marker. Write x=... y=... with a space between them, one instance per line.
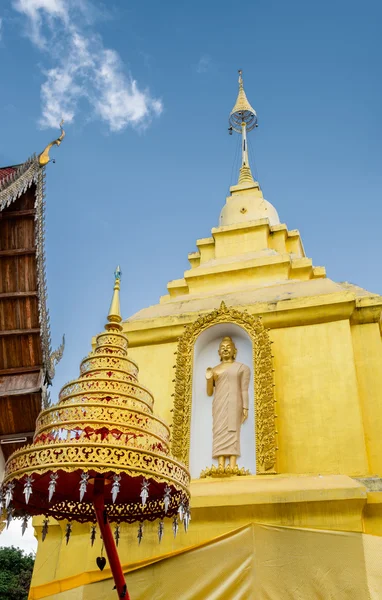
x=254 y=261
x=118 y=409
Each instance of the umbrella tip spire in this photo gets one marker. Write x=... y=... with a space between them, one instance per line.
x=114 y=316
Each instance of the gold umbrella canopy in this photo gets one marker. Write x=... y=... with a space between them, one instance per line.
x=102 y=429
x=242 y=112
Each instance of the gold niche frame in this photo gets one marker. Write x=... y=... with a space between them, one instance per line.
x=265 y=415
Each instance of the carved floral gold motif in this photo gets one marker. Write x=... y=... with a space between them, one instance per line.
x=226 y=471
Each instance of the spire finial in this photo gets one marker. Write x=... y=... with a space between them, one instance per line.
x=242 y=111
x=43 y=158
x=242 y=119
x=114 y=316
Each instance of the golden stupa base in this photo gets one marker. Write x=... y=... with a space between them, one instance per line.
x=220 y=471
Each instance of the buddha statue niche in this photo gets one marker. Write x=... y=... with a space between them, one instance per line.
x=228 y=382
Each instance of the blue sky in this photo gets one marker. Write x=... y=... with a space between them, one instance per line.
x=146 y=88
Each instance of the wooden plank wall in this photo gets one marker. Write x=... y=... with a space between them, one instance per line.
x=20 y=342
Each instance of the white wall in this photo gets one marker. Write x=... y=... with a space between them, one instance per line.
x=206 y=355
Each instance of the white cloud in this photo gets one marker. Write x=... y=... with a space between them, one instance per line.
x=37 y=11
x=120 y=101
x=204 y=64
x=13 y=537
x=83 y=69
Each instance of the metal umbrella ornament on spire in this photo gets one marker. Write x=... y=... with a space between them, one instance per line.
x=243 y=118
x=100 y=455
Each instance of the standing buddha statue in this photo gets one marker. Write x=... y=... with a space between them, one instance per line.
x=228 y=382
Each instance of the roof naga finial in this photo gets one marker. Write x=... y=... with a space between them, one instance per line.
x=43 y=158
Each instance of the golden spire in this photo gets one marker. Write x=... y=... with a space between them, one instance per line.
x=114 y=316
x=43 y=158
x=245 y=175
x=242 y=119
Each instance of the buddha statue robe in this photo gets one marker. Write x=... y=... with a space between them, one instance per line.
x=230 y=398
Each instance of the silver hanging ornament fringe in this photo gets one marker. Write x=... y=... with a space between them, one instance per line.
x=28 y=488
x=160 y=530
x=175 y=525
x=166 y=498
x=140 y=533
x=9 y=516
x=45 y=527
x=186 y=519
x=93 y=534
x=115 y=487
x=145 y=491
x=24 y=524
x=52 y=485
x=181 y=511
x=68 y=532
x=83 y=485
x=9 y=493
x=117 y=534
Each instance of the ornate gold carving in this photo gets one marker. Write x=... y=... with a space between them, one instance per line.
x=76 y=421
x=100 y=397
x=108 y=361
x=107 y=459
x=223 y=471
x=70 y=457
x=133 y=512
x=107 y=386
x=265 y=430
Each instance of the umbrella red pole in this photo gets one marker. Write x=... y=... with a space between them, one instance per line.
x=108 y=539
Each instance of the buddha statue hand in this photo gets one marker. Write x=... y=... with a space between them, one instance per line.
x=209 y=373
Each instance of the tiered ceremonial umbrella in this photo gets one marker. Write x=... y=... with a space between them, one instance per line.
x=100 y=454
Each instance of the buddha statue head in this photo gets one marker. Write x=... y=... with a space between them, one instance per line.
x=227 y=350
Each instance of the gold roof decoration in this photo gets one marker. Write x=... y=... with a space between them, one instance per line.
x=44 y=158
x=242 y=112
x=102 y=427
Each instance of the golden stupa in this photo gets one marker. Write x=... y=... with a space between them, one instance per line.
x=307 y=521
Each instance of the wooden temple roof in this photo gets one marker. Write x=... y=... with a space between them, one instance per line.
x=26 y=357
x=6 y=171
